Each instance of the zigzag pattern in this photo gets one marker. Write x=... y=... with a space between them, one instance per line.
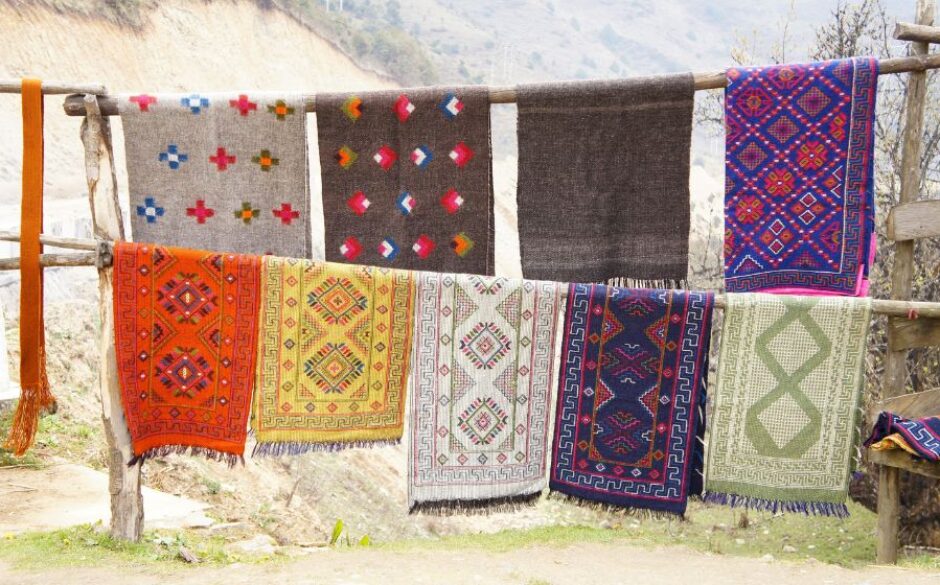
x=615 y=449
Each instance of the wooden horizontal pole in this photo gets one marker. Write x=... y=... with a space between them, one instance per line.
x=914 y=405
x=49 y=260
x=918 y=219
x=903 y=460
x=53 y=87
x=59 y=242
x=881 y=306
x=75 y=106
x=906 y=31
x=911 y=333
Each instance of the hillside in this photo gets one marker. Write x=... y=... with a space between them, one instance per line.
x=184 y=45
x=205 y=46
x=497 y=42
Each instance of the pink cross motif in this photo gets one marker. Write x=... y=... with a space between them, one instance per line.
x=143 y=101
x=222 y=159
x=243 y=105
x=286 y=213
x=200 y=212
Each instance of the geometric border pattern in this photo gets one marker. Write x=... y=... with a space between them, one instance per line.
x=793 y=221
x=590 y=358
x=446 y=462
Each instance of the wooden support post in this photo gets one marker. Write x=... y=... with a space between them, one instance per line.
x=896 y=374
x=127 y=508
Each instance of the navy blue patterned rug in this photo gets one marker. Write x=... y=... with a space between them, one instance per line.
x=920 y=438
x=631 y=397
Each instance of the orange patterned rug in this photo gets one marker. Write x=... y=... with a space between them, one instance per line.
x=185 y=325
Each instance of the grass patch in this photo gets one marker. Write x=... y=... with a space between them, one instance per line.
x=89 y=545
x=7 y=458
x=848 y=543
x=58 y=435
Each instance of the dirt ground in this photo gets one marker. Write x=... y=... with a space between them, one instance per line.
x=64 y=494
x=588 y=563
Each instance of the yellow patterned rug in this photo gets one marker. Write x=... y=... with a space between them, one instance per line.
x=333 y=355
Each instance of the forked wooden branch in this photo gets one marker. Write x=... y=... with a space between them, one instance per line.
x=127 y=505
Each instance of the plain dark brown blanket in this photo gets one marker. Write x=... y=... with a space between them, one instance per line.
x=604 y=179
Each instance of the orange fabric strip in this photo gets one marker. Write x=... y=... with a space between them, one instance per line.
x=35 y=385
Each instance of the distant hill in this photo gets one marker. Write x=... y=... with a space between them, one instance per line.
x=503 y=42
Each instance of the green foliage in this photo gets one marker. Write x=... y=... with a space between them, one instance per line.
x=7 y=458
x=264 y=516
x=341 y=534
x=58 y=434
x=90 y=545
x=129 y=13
x=337 y=531
x=213 y=486
x=369 y=31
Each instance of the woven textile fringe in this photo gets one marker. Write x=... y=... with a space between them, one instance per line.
x=33 y=401
x=229 y=459
x=772 y=475
x=774 y=506
x=607 y=508
x=278 y=448
x=484 y=507
x=665 y=283
x=212 y=382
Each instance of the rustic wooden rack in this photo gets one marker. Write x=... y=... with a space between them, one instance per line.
x=909 y=220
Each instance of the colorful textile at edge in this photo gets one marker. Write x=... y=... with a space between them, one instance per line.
x=185 y=323
x=920 y=438
x=631 y=396
x=484 y=366
x=219 y=171
x=784 y=425
x=799 y=181
x=334 y=352
x=407 y=178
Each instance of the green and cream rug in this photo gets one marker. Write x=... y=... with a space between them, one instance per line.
x=784 y=428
